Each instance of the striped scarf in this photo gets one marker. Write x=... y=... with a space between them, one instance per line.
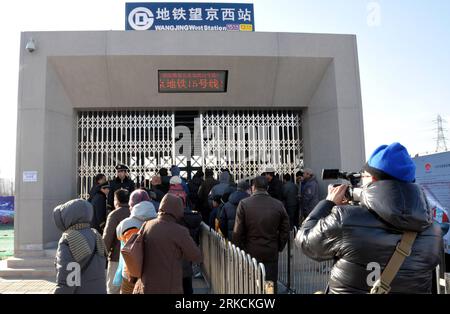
x=78 y=245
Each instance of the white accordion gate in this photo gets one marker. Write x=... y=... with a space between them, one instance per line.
x=245 y=142
x=143 y=140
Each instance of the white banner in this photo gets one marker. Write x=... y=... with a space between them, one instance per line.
x=433 y=174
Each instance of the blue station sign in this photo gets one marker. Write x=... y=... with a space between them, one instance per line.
x=185 y=16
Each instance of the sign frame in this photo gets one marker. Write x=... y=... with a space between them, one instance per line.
x=189 y=16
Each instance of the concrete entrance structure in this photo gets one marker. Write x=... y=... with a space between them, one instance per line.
x=72 y=71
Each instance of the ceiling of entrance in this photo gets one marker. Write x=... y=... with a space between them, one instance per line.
x=132 y=81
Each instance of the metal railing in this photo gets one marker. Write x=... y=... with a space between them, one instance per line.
x=446 y=283
x=300 y=274
x=441 y=277
x=228 y=269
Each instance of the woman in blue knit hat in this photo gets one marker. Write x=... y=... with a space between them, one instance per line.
x=393 y=216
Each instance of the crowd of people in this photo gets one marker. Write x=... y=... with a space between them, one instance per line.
x=168 y=210
x=164 y=217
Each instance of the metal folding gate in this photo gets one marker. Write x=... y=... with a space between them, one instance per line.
x=245 y=142
x=141 y=139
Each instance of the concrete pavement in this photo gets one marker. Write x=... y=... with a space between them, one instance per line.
x=47 y=285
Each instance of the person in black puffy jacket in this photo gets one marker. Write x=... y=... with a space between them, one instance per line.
x=194 y=186
x=355 y=236
x=99 y=203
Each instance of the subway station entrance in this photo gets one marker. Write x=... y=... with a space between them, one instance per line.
x=243 y=141
x=237 y=100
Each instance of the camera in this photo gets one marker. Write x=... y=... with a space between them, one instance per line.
x=353 y=193
x=31 y=45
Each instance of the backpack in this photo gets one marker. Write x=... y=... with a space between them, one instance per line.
x=133 y=253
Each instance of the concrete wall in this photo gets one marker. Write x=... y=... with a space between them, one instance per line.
x=28 y=226
x=59 y=153
x=70 y=71
x=321 y=141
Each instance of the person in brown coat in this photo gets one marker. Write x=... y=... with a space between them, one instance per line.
x=112 y=244
x=166 y=244
x=262 y=228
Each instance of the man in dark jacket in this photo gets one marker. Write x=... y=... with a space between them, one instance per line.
x=155 y=184
x=203 y=193
x=112 y=244
x=121 y=181
x=231 y=178
x=164 y=184
x=309 y=192
x=290 y=200
x=217 y=204
x=262 y=228
x=356 y=236
x=275 y=188
x=194 y=186
x=228 y=213
x=98 y=180
x=99 y=204
x=223 y=187
x=298 y=181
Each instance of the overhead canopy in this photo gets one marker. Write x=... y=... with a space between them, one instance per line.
x=132 y=81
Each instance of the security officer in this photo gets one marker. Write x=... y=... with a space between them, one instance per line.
x=121 y=181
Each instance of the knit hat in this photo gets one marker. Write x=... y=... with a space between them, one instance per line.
x=138 y=196
x=175 y=180
x=392 y=160
x=175 y=171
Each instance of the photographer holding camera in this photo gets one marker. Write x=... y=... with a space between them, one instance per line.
x=392 y=220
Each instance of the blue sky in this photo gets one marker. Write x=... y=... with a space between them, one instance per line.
x=404 y=60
